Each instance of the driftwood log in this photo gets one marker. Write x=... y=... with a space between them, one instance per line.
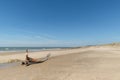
x=28 y=61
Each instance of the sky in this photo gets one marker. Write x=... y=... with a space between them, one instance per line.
x=59 y=23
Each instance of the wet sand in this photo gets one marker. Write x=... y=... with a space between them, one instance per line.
x=91 y=64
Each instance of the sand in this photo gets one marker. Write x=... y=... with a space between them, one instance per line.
x=91 y=63
x=11 y=57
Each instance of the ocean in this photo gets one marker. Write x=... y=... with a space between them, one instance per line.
x=32 y=49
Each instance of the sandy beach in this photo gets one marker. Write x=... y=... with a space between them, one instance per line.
x=89 y=63
x=59 y=40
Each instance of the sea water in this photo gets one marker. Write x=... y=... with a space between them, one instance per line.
x=22 y=49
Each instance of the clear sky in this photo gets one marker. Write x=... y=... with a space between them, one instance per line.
x=59 y=22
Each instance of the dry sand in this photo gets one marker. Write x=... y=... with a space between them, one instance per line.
x=92 y=63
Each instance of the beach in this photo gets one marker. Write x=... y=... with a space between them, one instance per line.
x=87 y=63
x=20 y=56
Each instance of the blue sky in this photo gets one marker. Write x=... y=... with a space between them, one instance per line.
x=59 y=22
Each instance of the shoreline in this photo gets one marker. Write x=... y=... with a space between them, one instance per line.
x=93 y=63
x=6 y=58
x=19 y=56
x=14 y=62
